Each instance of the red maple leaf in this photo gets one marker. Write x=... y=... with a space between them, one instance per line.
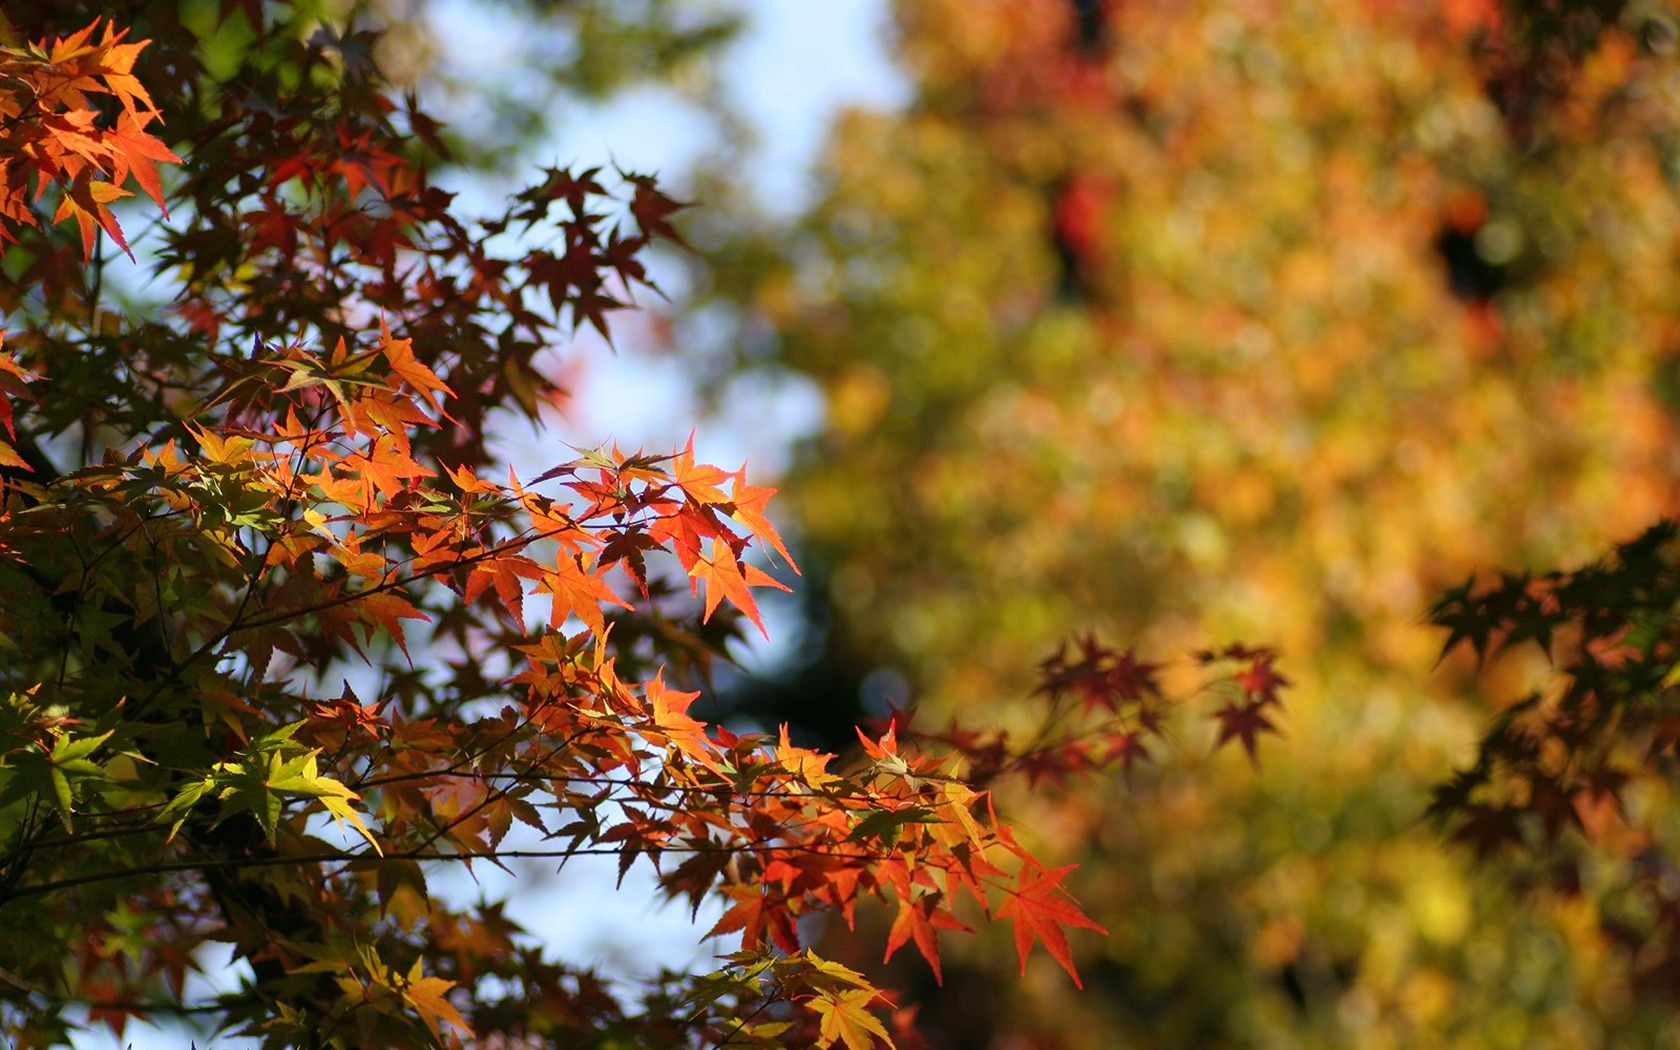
x=1245 y=722
x=920 y=920
x=1041 y=909
x=1260 y=680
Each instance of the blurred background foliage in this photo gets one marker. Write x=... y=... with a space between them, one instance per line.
x=1187 y=321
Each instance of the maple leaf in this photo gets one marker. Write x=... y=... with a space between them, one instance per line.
x=1100 y=676
x=9 y=457
x=886 y=748
x=888 y=824
x=399 y=354
x=86 y=203
x=1040 y=909
x=13 y=378
x=350 y=714
x=1129 y=749
x=505 y=574
x=631 y=546
x=426 y=996
x=1260 y=681
x=1244 y=722
x=590 y=303
x=1131 y=679
x=747 y=504
x=57 y=774
x=807 y=766
x=652 y=209
x=301 y=776
x=699 y=482
x=388 y=609
x=754 y=913
x=688 y=735
x=134 y=152
x=65 y=49
x=1488 y=829
x=845 y=1017
x=577 y=591
x=727 y=578
x=918 y=920
x=103 y=998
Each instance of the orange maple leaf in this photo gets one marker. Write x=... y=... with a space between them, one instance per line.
x=754 y=913
x=917 y=920
x=699 y=481
x=134 y=152
x=389 y=609
x=505 y=574
x=749 y=502
x=86 y=203
x=13 y=376
x=684 y=733
x=578 y=591
x=725 y=577
x=399 y=354
x=1040 y=908
x=884 y=749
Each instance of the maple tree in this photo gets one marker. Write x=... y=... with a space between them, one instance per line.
x=1569 y=782
x=240 y=499
x=1281 y=320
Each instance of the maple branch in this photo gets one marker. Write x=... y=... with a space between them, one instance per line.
x=379 y=588
x=492 y=796
x=343 y=857
x=97 y=285
x=797 y=791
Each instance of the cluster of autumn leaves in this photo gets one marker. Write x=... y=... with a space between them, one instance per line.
x=276 y=508
x=55 y=138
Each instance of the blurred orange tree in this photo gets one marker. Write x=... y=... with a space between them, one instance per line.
x=1275 y=320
